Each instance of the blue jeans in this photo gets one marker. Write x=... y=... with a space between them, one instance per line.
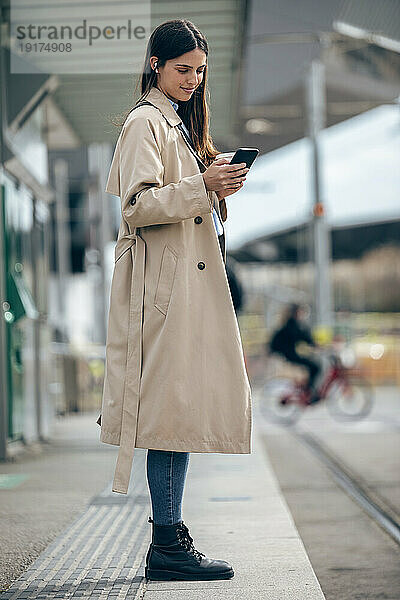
x=166 y=474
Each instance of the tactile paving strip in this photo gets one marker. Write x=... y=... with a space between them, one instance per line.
x=98 y=556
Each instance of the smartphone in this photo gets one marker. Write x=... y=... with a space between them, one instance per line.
x=246 y=155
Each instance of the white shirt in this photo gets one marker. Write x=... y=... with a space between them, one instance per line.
x=217 y=222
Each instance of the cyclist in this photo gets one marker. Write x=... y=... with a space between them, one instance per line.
x=284 y=340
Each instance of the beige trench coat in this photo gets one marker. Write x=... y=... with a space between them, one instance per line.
x=175 y=377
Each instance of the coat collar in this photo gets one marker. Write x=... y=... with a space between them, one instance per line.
x=160 y=100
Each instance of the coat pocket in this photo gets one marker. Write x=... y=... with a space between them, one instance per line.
x=166 y=278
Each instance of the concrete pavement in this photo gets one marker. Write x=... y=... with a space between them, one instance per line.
x=232 y=505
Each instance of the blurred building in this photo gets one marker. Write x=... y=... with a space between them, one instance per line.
x=360 y=180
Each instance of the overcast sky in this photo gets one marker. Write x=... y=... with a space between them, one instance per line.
x=360 y=174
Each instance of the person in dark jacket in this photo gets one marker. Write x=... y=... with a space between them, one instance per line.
x=284 y=340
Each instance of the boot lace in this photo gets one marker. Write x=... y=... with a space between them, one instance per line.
x=187 y=541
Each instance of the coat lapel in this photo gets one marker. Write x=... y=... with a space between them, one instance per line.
x=188 y=141
x=203 y=167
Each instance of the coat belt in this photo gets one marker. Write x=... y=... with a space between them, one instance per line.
x=131 y=397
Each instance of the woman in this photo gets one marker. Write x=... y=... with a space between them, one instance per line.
x=175 y=379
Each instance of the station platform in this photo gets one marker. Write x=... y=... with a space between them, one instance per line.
x=232 y=505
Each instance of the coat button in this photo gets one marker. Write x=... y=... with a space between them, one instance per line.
x=198 y=220
x=201 y=265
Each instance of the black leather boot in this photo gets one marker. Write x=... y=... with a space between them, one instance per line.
x=172 y=555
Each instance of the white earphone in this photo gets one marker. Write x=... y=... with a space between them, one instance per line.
x=155 y=67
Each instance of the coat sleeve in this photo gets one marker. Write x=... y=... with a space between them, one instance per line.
x=144 y=198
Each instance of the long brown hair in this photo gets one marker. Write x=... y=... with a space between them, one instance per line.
x=170 y=40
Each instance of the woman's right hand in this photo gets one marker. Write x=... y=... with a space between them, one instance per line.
x=221 y=176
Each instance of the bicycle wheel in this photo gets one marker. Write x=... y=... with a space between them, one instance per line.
x=279 y=401
x=348 y=401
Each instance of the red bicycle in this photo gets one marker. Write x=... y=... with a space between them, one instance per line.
x=348 y=397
